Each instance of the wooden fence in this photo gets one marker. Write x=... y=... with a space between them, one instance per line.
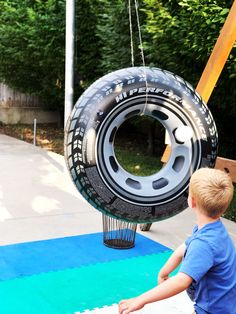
x=16 y=107
x=11 y=98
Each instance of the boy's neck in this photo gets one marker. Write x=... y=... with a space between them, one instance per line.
x=203 y=220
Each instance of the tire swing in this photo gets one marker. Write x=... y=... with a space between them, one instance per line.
x=91 y=132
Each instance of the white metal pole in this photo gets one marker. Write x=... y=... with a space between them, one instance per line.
x=69 y=58
x=35 y=130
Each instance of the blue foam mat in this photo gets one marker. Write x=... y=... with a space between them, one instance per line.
x=31 y=258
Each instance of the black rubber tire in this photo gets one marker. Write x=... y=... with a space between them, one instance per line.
x=91 y=130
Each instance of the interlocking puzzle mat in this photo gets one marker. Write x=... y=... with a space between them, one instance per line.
x=179 y=304
x=74 y=274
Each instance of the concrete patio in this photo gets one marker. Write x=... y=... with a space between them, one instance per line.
x=38 y=201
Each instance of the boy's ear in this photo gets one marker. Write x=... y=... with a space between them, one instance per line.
x=191 y=202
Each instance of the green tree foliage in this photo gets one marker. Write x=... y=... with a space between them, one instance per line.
x=178 y=36
x=31 y=47
x=87 y=43
x=113 y=29
x=183 y=34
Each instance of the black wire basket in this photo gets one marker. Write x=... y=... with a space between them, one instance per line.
x=118 y=234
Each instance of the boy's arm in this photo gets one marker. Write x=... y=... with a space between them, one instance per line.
x=169 y=288
x=174 y=260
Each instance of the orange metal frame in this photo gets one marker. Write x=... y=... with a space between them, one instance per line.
x=219 y=56
x=210 y=76
x=212 y=71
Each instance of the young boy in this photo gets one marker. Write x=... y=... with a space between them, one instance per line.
x=208 y=269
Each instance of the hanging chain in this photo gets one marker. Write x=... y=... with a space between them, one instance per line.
x=131 y=34
x=139 y=33
x=142 y=54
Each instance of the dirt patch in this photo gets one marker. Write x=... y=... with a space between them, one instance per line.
x=48 y=136
x=51 y=137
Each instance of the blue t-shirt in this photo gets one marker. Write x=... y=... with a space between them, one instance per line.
x=210 y=259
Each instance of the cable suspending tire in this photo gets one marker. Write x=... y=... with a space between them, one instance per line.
x=91 y=131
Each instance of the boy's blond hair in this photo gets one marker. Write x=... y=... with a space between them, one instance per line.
x=212 y=190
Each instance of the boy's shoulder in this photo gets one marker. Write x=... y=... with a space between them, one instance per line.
x=213 y=236
x=212 y=229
